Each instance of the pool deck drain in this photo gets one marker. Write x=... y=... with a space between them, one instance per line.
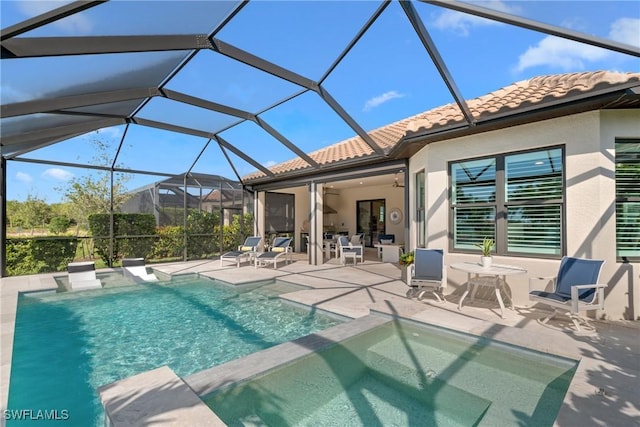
x=604 y=390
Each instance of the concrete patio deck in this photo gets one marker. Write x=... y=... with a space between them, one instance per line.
x=605 y=390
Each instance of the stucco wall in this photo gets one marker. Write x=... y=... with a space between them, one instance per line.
x=589 y=140
x=394 y=198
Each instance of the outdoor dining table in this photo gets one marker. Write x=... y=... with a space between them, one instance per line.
x=494 y=275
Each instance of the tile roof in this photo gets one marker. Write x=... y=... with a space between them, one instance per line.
x=536 y=91
x=520 y=95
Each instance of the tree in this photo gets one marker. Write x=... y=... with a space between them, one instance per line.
x=34 y=212
x=13 y=218
x=91 y=194
x=59 y=224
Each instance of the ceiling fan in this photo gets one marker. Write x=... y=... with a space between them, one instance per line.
x=396 y=184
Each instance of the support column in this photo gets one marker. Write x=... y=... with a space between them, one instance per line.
x=408 y=214
x=111 y=220
x=258 y=213
x=3 y=217
x=315 y=224
x=185 y=238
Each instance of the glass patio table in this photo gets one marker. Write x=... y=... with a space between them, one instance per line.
x=494 y=275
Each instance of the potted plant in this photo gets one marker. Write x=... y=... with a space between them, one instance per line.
x=406 y=259
x=486 y=246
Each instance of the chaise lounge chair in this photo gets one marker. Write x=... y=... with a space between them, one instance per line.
x=82 y=275
x=135 y=268
x=575 y=289
x=279 y=249
x=245 y=251
x=427 y=274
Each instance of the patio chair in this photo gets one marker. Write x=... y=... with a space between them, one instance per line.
x=575 y=289
x=279 y=249
x=427 y=274
x=245 y=251
x=135 y=268
x=330 y=245
x=82 y=275
x=348 y=250
x=384 y=239
x=357 y=239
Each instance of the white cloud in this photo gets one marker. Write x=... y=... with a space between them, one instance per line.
x=381 y=99
x=74 y=24
x=57 y=174
x=568 y=55
x=626 y=30
x=269 y=163
x=560 y=53
x=460 y=23
x=24 y=177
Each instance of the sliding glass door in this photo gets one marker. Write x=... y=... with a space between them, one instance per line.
x=370 y=216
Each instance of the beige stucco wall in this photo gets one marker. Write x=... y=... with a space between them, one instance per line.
x=394 y=198
x=589 y=140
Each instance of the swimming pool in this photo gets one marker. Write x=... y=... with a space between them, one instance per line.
x=403 y=374
x=66 y=345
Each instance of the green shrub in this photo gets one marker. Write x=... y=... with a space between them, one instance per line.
x=235 y=233
x=38 y=255
x=130 y=231
x=170 y=242
x=59 y=224
x=202 y=238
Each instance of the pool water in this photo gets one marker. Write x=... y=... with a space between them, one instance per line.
x=400 y=374
x=66 y=345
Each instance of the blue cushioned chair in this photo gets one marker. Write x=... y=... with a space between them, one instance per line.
x=386 y=238
x=575 y=289
x=279 y=249
x=345 y=246
x=427 y=274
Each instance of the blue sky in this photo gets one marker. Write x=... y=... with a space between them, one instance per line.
x=386 y=77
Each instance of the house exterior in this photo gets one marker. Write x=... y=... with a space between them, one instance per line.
x=550 y=167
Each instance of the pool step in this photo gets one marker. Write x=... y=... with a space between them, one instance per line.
x=408 y=371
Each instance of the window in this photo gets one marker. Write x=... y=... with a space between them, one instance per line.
x=420 y=214
x=517 y=199
x=628 y=200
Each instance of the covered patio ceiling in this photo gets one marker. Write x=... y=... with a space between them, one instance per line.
x=236 y=91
